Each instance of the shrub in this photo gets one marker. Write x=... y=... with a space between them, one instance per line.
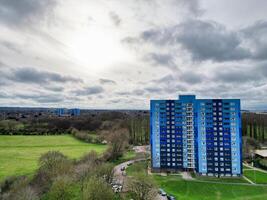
x=17 y=188
x=55 y=163
x=97 y=189
x=105 y=171
x=118 y=140
x=86 y=165
x=263 y=164
x=62 y=188
x=24 y=193
x=142 y=187
x=6 y=185
x=52 y=164
x=83 y=136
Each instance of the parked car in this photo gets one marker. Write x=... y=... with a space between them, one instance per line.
x=162 y=192
x=122 y=168
x=170 y=197
x=117 y=188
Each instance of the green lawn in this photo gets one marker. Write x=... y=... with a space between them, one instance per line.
x=222 y=179
x=19 y=154
x=136 y=168
x=128 y=155
x=193 y=190
x=256 y=176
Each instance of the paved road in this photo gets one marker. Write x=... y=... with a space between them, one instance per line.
x=122 y=179
x=118 y=174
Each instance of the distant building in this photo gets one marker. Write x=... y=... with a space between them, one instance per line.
x=62 y=112
x=201 y=135
x=75 y=112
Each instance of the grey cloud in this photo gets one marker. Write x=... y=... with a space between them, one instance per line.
x=4 y=95
x=262 y=69
x=31 y=75
x=54 y=88
x=176 y=88
x=89 y=91
x=16 y=12
x=192 y=78
x=138 y=92
x=161 y=59
x=184 y=77
x=123 y=93
x=3 y=83
x=2 y=64
x=166 y=84
x=246 y=74
x=106 y=81
x=115 y=101
x=209 y=40
x=131 y=40
x=165 y=79
x=204 y=40
x=153 y=89
x=236 y=76
x=41 y=98
x=256 y=36
x=192 y=6
x=10 y=46
x=115 y=18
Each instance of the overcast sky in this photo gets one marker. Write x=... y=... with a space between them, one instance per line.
x=119 y=54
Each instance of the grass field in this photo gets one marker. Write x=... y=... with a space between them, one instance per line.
x=221 y=179
x=256 y=176
x=194 y=190
x=136 y=168
x=19 y=154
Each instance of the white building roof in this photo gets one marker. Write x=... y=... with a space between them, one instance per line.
x=262 y=153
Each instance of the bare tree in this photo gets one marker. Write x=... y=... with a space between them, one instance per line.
x=142 y=187
x=118 y=141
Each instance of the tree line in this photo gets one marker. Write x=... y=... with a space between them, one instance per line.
x=139 y=129
x=254 y=126
x=137 y=125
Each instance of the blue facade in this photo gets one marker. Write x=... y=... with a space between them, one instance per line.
x=61 y=112
x=75 y=112
x=202 y=135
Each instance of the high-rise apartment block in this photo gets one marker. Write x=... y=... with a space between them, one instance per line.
x=201 y=135
x=63 y=112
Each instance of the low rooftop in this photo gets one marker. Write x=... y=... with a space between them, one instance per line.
x=262 y=153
